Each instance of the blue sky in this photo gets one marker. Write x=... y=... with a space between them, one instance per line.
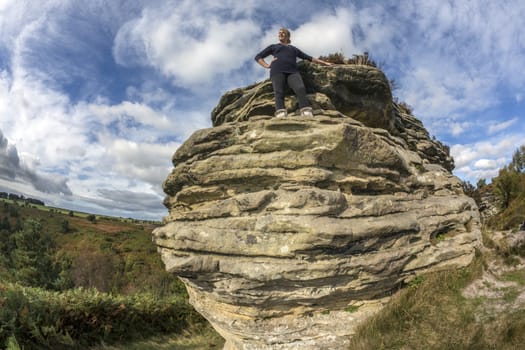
x=96 y=96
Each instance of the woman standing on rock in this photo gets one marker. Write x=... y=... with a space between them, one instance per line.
x=284 y=70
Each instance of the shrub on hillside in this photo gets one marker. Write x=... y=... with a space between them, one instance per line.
x=93 y=270
x=509 y=191
x=339 y=58
x=79 y=318
x=363 y=60
x=32 y=256
x=335 y=58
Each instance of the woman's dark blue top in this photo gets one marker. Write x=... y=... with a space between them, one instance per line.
x=286 y=58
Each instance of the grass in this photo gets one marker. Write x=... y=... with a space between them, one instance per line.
x=196 y=338
x=517 y=276
x=426 y=315
x=352 y=308
x=511 y=294
x=433 y=314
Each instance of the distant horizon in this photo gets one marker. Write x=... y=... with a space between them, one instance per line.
x=77 y=211
x=95 y=97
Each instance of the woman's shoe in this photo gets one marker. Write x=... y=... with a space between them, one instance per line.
x=281 y=113
x=307 y=112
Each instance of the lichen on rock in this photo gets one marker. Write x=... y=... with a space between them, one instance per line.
x=278 y=227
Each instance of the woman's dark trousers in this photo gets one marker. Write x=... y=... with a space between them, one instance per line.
x=295 y=82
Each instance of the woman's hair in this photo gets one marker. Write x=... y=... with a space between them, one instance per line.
x=287 y=32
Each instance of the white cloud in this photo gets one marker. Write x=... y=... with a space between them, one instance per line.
x=497 y=127
x=54 y=136
x=463 y=155
x=482 y=160
x=151 y=94
x=454 y=58
x=457 y=128
x=449 y=91
x=326 y=33
x=332 y=31
x=148 y=162
x=135 y=112
x=14 y=169
x=452 y=61
x=190 y=49
x=37 y=120
x=14 y=15
x=5 y=3
x=486 y=164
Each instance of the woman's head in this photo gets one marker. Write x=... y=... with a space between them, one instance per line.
x=284 y=36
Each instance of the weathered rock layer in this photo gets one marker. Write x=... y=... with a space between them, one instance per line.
x=288 y=232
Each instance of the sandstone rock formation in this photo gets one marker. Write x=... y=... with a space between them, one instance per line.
x=289 y=232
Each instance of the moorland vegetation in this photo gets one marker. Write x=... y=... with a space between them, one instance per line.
x=72 y=280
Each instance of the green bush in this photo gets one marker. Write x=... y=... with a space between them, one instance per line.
x=339 y=58
x=335 y=58
x=32 y=256
x=36 y=318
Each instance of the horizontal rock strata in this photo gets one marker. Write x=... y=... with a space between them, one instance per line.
x=289 y=232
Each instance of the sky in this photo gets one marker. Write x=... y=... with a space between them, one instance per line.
x=96 y=96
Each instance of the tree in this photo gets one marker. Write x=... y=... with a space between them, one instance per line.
x=13 y=211
x=7 y=243
x=65 y=226
x=92 y=269
x=510 y=180
x=506 y=185
x=518 y=159
x=471 y=191
x=5 y=224
x=32 y=258
x=5 y=250
x=481 y=183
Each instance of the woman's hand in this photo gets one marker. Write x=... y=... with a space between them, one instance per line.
x=263 y=63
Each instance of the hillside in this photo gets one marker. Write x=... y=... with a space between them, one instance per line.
x=109 y=254
x=70 y=280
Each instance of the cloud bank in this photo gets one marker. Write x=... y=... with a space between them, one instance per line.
x=12 y=169
x=96 y=96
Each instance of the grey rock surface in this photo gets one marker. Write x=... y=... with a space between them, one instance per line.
x=289 y=232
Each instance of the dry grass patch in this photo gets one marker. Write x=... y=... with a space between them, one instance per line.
x=429 y=314
x=479 y=307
